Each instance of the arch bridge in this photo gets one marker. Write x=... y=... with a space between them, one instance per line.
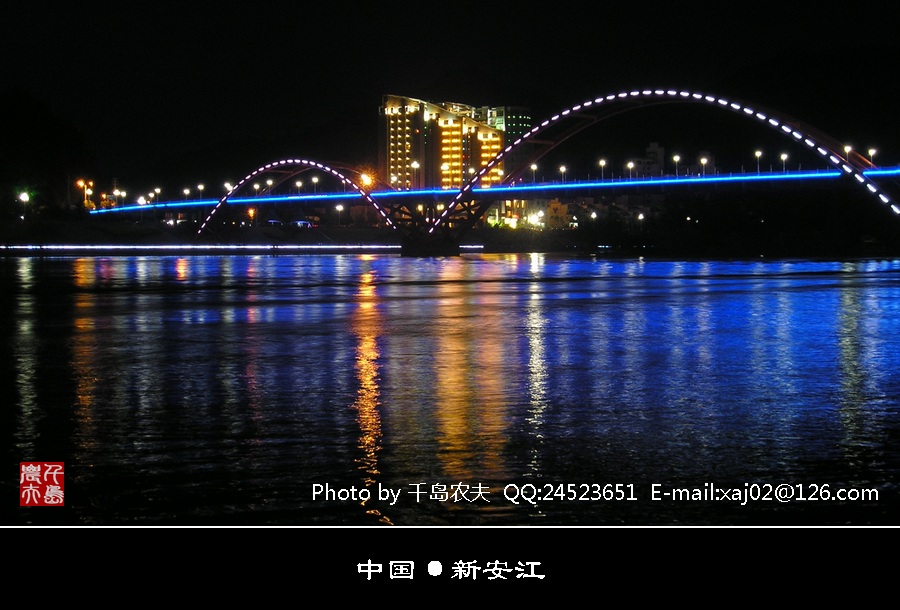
x=431 y=226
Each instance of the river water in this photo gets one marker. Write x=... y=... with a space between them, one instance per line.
x=479 y=390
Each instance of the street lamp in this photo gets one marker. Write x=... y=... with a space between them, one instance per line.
x=630 y=167
x=200 y=188
x=703 y=162
x=256 y=188
x=269 y=187
x=86 y=186
x=533 y=170
x=23 y=197
x=299 y=185
x=872 y=152
x=415 y=166
x=315 y=182
x=562 y=170
x=847 y=150
x=783 y=159
x=758 y=154
x=602 y=167
x=676 y=159
x=339 y=208
x=186 y=193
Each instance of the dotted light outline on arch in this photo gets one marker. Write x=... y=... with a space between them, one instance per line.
x=300 y=162
x=833 y=157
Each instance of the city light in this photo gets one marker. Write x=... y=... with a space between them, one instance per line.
x=24 y=198
x=649 y=168
x=86 y=186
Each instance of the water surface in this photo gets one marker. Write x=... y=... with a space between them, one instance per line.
x=228 y=390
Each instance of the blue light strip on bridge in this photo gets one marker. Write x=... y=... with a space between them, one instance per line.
x=516 y=190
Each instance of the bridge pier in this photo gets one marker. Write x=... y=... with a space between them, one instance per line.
x=429 y=245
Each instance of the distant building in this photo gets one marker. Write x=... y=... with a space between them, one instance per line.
x=440 y=145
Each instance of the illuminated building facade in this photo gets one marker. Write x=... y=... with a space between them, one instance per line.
x=439 y=145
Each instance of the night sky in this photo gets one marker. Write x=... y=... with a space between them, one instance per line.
x=169 y=93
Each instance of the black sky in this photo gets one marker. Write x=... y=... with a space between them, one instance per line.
x=182 y=88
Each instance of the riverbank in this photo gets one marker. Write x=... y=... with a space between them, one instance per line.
x=89 y=235
x=92 y=236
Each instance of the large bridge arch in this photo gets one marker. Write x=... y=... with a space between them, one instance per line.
x=574 y=119
x=291 y=167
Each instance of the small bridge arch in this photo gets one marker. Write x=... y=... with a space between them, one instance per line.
x=286 y=169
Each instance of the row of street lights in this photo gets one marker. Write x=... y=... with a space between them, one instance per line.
x=703 y=162
x=87 y=185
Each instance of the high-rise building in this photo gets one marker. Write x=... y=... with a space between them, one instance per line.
x=440 y=145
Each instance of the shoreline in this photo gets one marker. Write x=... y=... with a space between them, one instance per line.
x=83 y=237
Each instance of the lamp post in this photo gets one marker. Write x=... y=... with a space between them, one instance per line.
x=630 y=167
x=339 y=208
x=315 y=182
x=758 y=154
x=562 y=170
x=86 y=186
x=847 y=150
x=676 y=159
x=602 y=167
x=200 y=188
x=415 y=166
x=186 y=193
x=783 y=159
x=533 y=170
x=24 y=198
x=703 y=166
x=299 y=185
x=872 y=152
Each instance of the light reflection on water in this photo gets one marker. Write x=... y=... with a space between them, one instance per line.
x=220 y=390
